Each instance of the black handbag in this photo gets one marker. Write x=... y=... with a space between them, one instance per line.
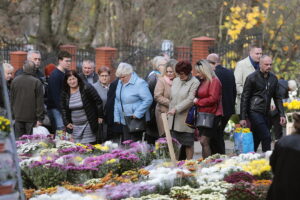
x=205 y=120
x=133 y=124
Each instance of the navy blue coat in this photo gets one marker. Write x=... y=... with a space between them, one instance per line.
x=228 y=89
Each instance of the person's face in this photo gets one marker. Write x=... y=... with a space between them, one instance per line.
x=183 y=76
x=170 y=73
x=87 y=69
x=36 y=58
x=255 y=54
x=8 y=73
x=125 y=78
x=65 y=63
x=72 y=82
x=104 y=78
x=266 y=65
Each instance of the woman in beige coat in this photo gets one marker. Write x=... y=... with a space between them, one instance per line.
x=182 y=95
x=162 y=94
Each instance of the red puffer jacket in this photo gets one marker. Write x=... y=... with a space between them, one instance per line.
x=209 y=96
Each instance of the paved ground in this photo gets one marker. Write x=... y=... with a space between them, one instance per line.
x=229 y=145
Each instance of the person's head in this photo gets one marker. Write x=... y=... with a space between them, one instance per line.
x=296 y=118
x=8 y=71
x=64 y=60
x=72 y=80
x=124 y=72
x=104 y=75
x=159 y=63
x=34 y=56
x=292 y=85
x=88 y=67
x=214 y=60
x=29 y=67
x=265 y=64
x=183 y=69
x=49 y=69
x=204 y=70
x=170 y=69
x=255 y=52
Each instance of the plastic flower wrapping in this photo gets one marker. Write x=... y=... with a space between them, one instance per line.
x=61 y=169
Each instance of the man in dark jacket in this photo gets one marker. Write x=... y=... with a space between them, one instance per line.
x=260 y=87
x=228 y=101
x=27 y=100
x=88 y=72
x=55 y=87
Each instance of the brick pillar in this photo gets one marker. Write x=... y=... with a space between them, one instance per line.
x=17 y=59
x=72 y=49
x=183 y=53
x=200 y=46
x=104 y=57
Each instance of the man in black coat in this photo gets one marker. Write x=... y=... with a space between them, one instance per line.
x=228 y=101
x=260 y=87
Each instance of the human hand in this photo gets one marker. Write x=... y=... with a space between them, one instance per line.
x=172 y=112
x=282 y=121
x=195 y=100
x=38 y=123
x=100 y=120
x=243 y=123
x=70 y=126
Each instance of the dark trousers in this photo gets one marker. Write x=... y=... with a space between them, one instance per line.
x=23 y=128
x=277 y=128
x=217 y=144
x=260 y=130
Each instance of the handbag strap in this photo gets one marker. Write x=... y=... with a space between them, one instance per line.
x=121 y=97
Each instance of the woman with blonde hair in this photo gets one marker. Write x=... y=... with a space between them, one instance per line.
x=8 y=70
x=162 y=93
x=208 y=99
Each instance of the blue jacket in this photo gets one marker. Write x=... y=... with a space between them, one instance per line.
x=136 y=98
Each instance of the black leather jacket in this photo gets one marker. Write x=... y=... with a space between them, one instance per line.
x=257 y=94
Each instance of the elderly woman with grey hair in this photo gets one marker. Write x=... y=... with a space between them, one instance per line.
x=133 y=99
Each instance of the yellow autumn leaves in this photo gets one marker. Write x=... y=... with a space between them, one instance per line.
x=242 y=17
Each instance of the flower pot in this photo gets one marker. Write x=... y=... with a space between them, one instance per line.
x=6 y=189
x=2 y=147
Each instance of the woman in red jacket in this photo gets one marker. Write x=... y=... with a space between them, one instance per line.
x=208 y=100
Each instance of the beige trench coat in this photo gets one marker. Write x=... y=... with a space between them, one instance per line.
x=241 y=72
x=162 y=97
x=182 y=96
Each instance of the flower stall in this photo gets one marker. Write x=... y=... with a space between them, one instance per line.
x=60 y=169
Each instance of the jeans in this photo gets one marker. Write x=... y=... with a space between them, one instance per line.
x=56 y=119
x=261 y=131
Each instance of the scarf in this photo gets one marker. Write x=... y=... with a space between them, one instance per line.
x=168 y=80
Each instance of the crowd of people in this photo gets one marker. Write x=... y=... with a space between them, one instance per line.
x=93 y=108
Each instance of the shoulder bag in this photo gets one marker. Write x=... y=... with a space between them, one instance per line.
x=133 y=124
